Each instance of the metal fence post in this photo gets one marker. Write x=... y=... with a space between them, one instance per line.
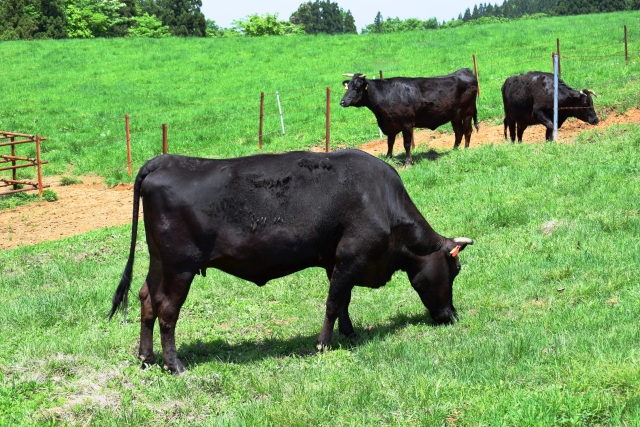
x=280 y=109
x=559 y=62
x=555 y=96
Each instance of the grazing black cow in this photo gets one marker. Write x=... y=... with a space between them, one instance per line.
x=402 y=103
x=267 y=216
x=528 y=100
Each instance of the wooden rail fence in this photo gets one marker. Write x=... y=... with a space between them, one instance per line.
x=18 y=162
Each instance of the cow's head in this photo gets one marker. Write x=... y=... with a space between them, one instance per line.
x=356 y=88
x=433 y=279
x=585 y=112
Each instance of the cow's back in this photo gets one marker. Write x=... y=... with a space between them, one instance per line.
x=281 y=212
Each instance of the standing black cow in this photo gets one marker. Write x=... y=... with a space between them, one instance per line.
x=528 y=100
x=267 y=216
x=402 y=103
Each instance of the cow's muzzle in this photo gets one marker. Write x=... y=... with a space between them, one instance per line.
x=445 y=317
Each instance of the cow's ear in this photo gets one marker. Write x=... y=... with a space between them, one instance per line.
x=453 y=246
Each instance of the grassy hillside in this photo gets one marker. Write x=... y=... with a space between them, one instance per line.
x=548 y=301
x=76 y=92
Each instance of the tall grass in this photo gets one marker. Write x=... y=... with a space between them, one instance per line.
x=548 y=300
x=76 y=92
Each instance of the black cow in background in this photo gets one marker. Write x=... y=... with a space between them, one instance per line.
x=528 y=100
x=402 y=103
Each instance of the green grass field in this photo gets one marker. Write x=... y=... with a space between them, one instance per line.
x=76 y=92
x=548 y=296
x=548 y=300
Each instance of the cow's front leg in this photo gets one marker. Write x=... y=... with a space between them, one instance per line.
x=337 y=303
x=407 y=135
x=544 y=120
x=170 y=297
x=391 y=139
x=344 y=321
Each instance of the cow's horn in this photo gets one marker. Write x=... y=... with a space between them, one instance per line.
x=362 y=76
x=464 y=240
x=348 y=75
x=593 y=93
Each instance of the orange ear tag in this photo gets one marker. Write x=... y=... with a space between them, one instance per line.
x=454 y=252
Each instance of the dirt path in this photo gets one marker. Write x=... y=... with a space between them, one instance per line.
x=91 y=205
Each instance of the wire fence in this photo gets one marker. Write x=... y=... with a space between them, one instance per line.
x=301 y=109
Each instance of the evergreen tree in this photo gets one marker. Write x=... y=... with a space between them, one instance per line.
x=475 y=14
x=467 y=15
x=349 y=23
x=322 y=17
x=578 y=7
x=18 y=20
x=377 y=23
x=183 y=17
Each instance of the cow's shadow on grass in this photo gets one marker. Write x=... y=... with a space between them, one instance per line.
x=199 y=352
x=418 y=157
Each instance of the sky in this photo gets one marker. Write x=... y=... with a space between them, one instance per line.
x=364 y=11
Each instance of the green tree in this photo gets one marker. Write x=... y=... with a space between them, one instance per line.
x=183 y=17
x=148 y=26
x=321 y=17
x=578 y=7
x=31 y=19
x=266 y=25
x=349 y=26
x=377 y=23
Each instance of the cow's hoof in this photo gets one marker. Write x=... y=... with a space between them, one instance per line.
x=176 y=368
x=408 y=163
x=353 y=336
x=322 y=347
x=147 y=360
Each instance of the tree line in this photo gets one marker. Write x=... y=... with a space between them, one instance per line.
x=519 y=8
x=57 y=19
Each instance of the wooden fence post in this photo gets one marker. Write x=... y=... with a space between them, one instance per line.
x=128 y=132
x=261 y=120
x=626 y=46
x=13 y=163
x=475 y=68
x=559 y=61
x=328 y=125
x=39 y=165
x=380 y=74
x=165 y=141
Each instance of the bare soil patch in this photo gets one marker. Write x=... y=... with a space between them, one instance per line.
x=92 y=205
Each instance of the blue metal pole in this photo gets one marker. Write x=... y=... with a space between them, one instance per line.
x=555 y=97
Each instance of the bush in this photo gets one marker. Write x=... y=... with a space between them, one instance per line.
x=49 y=195
x=69 y=180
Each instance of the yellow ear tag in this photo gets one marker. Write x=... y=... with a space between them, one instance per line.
x=367 y=87
x=346 y=86
x=454 y=252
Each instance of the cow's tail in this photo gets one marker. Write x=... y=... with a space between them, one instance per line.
x=121 y=295
x=475 y=120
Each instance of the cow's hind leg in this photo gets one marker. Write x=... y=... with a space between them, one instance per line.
x=456 y=124
x=148 y=313
x=407 y=135
x=520 y=130
x=467 y=130
x=391 y=139
x=169 y=299
x=512 y=130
